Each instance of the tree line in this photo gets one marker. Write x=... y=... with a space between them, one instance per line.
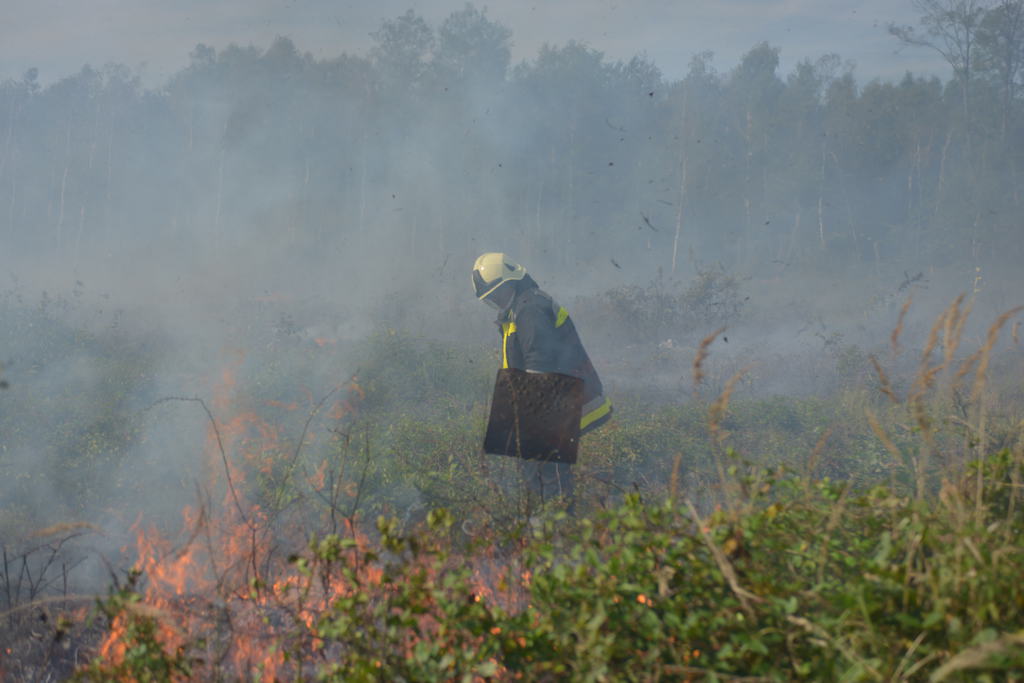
x=435 y=144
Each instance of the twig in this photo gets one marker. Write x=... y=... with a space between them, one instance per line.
x=712 y=675
x=745 y=596
x=7 y=583
x=977 y=656
x=46 y=601
x=813 y=628
x=220 y=445
x=359 y=488
x=298 y=449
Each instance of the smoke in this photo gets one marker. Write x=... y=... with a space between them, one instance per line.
x=229 y=244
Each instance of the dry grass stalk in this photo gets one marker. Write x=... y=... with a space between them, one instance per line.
x=951 y=496
x=948 y=321
x=716 y=413
x=745 y=597
x=1015 y=331
x=992 y=337
x=966 y=367
x=673 y=482
x=952 y=322
x=895 y=337
x=920 y=414
x=903 y=673
x=886 y=385
x=721 y=405
x=695 y=673
x=949 y=318
x=926 y=373
x=895 y=452
x=833 y=521
x=836 y=644
x=62 y=528
x=1015 y=483
x=980 y=379
x=977 y=656
x=702 y=354
x=954 y=329
x=49 y=600
x=812 y=462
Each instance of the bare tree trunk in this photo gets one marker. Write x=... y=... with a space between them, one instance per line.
x=747 y=182
x=10 y=134
x=794 y=237
x=78 y=237
x=679 y=212
x=4 y=164
x=95 y=135
x=821 y=201
x=821 y=222
x=910 y=185
x=301 y=214
x=10 y=207
x=63 y=188
x=440 y=229
x=106 y=190
x=684 y=162
x=967 y=113
x=361 y=224
x=1015 y=183
x=412 y=232
x=942 y=170
x=914 y=203
x=537 y=225
x=220 y=198
x=568 y=223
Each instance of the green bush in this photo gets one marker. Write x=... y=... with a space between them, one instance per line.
x=665 y=309
x=803 y=580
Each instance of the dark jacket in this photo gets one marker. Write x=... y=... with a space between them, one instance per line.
x=538 y=335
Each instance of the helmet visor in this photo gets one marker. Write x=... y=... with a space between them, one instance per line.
x=483 y=287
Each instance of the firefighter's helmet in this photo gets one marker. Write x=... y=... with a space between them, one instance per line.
x=492 y=270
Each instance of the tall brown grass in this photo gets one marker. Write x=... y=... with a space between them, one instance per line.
x=941 y=381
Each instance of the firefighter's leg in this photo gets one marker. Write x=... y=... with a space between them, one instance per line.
x=564 y=485
x=546 y=481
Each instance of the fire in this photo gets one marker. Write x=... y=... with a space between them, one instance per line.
x=228 y=597
x=229 y=588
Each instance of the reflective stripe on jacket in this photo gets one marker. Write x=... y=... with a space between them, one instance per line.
x=538 y=335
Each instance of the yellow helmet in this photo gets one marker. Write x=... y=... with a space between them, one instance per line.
x=493 y=269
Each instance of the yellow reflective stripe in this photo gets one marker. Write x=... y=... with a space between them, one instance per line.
x=507 y=329
x=596 y=413
x=563 y=315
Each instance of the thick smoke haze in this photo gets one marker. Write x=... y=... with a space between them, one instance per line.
x=243 y=227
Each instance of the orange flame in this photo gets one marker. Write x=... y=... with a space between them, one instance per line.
x=220 y=574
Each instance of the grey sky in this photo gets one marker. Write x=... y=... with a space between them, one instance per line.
x=156 y=36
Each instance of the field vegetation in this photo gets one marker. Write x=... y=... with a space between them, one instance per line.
x=871 y=532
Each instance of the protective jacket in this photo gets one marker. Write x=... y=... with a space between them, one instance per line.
x=538 y=335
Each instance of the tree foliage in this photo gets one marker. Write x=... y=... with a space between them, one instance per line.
x=434 y=142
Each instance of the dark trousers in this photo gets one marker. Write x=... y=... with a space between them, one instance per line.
x=548 y=481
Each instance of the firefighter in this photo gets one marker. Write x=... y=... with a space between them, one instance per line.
x=537 y=335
